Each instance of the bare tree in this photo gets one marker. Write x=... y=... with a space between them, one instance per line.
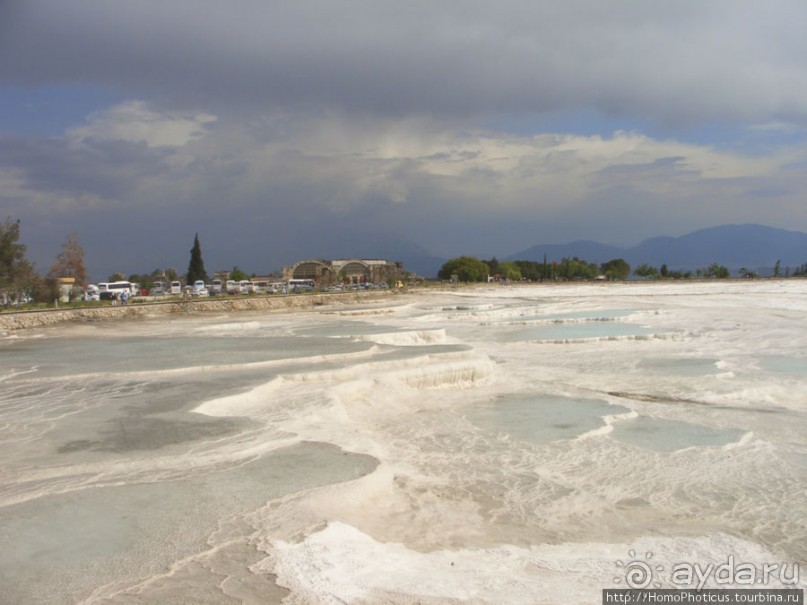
x=70 y=261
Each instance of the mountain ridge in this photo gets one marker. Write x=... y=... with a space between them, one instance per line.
x=735 y=246
x=752 y=246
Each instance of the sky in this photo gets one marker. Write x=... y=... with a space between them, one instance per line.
x=281 y=130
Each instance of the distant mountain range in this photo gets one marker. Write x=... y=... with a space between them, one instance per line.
x=754 y=247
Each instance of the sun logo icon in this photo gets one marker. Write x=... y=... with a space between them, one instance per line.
x=638 y=573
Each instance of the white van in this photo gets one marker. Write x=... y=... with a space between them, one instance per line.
x=91 y=292
x=176 y=288
x=199 y=288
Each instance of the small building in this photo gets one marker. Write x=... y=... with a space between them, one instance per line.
x=65 y=288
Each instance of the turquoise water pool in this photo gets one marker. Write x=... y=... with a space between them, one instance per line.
x=795 y=366
x=543 y=418
x=579 y=331
x=670 y=435
x=681 y=366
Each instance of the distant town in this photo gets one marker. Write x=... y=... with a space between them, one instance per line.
x=67 y=280
x=304 y=276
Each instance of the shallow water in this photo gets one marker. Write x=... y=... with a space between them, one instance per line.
x=580 y=330
x=796 y=366
x=499 y=445
x=65 y=543
x=542 y=419
x=671 y=435
x=683 y=366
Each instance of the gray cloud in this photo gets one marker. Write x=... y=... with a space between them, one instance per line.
x=288 y=188
x=102 y=168
x=285 y=129
x=672 y=62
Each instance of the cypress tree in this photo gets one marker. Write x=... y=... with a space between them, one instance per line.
x=196 y=268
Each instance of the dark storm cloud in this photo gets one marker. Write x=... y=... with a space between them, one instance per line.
x=281 y=129
x=675 y=62
x=103 y=168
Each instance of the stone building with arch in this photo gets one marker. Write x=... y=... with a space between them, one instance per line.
x=346 y=271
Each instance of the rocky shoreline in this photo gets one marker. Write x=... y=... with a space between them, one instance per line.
x=22 y=320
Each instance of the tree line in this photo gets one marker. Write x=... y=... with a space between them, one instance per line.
x=713 y=271
x=472 y=269
x=20 y=283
